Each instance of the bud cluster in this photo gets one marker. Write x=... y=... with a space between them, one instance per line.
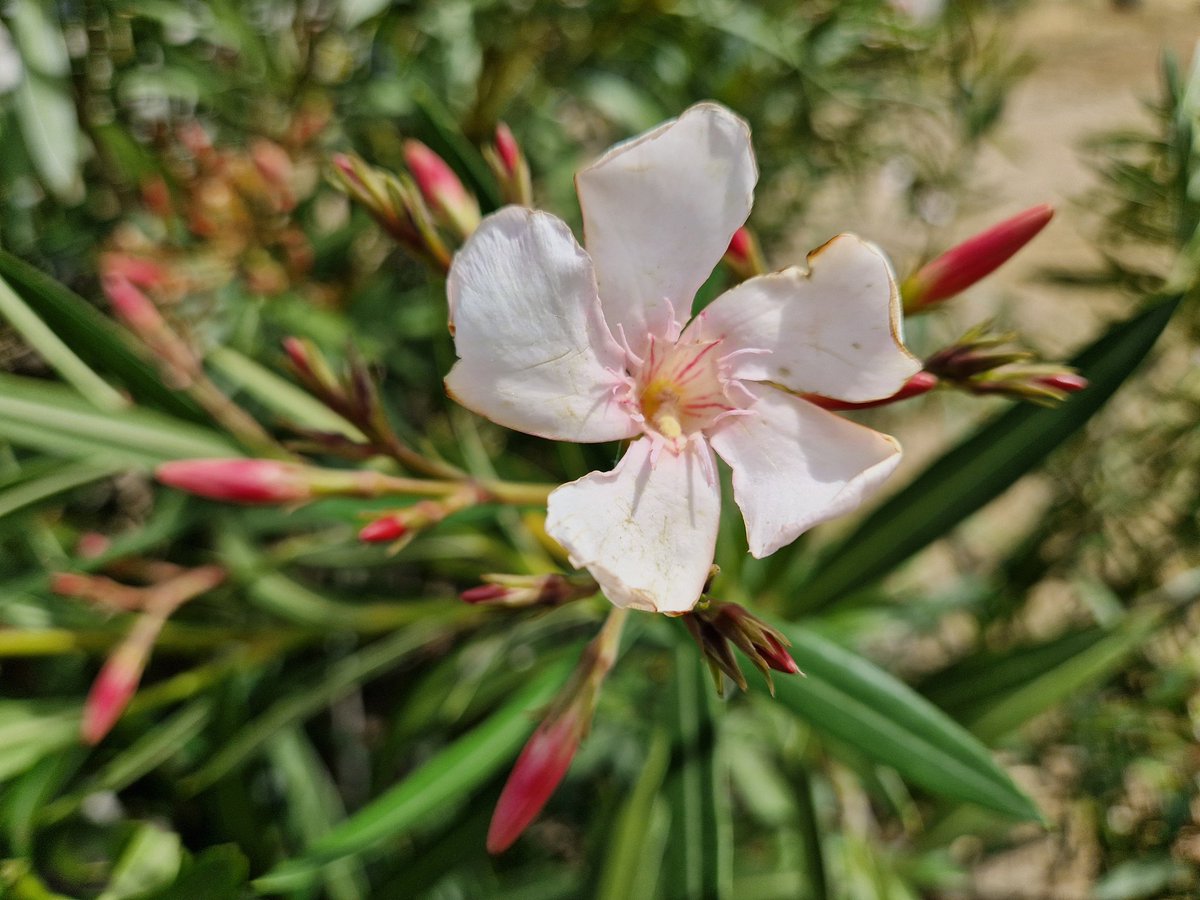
x=982 y=362
x=717 y=627
x=428 y=209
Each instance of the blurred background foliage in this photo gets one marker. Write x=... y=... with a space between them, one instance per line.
x=331 y=721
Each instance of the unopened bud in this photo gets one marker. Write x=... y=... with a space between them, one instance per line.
x=139 y=314
x=539 y=769
x=531 y=590
x=718 y=625
x=381 y=531
x=918 y=384
x=250 y=481
x=548 y=754
x=984 y=363
x=973 y=259
x=510 y=167
x=111 y=692
x=441 y=188
x=744 y=256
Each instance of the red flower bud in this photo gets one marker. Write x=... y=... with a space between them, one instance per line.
x=539 y=769
x=251 y=481
x=973 y=259
x=1067 y=382
x=507 y=149
x=389 y=528
x=484 y=593
x=441 y=188
x=131 y=306
x=744 y=256
x=111 y=692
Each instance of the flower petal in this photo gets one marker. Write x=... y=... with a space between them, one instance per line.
x=647 y=529
x=834 y=330
x=796 y=465
x=535 y=353
x=658 y=213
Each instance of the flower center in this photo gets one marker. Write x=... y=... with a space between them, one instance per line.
x=681 y=391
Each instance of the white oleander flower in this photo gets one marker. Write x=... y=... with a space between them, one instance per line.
x=597 y=345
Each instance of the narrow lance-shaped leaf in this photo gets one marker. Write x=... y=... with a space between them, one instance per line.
x=699 y=860
x=981 y=468
x=849 y=698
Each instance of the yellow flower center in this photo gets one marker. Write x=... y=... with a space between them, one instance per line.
x=681 y=391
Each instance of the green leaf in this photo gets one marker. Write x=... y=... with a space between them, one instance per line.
x=280 y=396
x=849 y=698
x=310 y=698
x=635 y=851
x=52 y=418
x=51 y=133
x=91 y=335
x=52 y=480
x=449 y=777
x=150 y=861
x=218 y=873
x=1091 y=665
x=32 y=730
x=700 y=850
x=979 y=469
x=57 y=354
x=153 y=748
x=314 y=807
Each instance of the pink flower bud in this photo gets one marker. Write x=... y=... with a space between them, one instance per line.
x=252 y=481
x=775 y=655
x=345 y=165
x=539 y=769
x=973 y=259
x=441 y=188
x=744 y=256
x=484 y=593
x=507 y=149
x=1067 y=382
x=739 y=245
x=92 y=544
x=918 y=384
x=131 y=306
x=111 y=692
x=381 y=531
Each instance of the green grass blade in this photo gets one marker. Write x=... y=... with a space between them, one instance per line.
x=849 y=698
x=450 y=776
x=57 y=354
x=979 y=469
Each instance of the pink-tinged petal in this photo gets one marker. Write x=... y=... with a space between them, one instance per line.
x=834 y=330
x=646 y=531
x=659 y=212
x=796 y=465
x=535 y=353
